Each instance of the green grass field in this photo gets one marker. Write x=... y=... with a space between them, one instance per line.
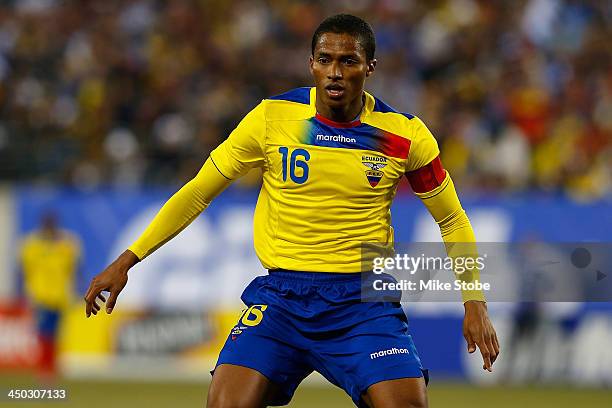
x=129 y=394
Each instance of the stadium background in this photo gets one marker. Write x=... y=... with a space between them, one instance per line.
x=107 y=107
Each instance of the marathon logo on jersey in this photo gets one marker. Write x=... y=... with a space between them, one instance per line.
x=375 y=164
x=336 y=138
x=389 y=352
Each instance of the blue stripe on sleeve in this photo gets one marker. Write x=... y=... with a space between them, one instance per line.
x=299 y=95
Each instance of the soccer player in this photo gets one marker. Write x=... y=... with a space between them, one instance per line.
x=49 y=261
x=332 y=156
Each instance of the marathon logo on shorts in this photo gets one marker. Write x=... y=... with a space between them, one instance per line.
x=389 y=352
x=236 y=331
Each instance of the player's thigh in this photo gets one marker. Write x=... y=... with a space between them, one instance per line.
x=400 y=393
x=235 y=386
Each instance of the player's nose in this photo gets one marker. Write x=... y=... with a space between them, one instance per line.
x=335 y=71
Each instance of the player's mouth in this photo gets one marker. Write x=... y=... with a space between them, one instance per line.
x=335 y=91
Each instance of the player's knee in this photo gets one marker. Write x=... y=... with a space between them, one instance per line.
x=225 y=398
x=402 y=398
x=416 y=403
x=410 y=402
x=413 y=401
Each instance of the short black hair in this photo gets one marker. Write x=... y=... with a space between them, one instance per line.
x=349 y=24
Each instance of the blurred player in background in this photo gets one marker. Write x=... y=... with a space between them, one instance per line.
x=50 y=257
x=332 y=156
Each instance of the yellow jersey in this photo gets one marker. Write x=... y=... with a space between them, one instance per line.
x=327 y=186
x=49 y=268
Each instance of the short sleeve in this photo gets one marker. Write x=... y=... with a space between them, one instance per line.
x=423 y=148
x=244 y=148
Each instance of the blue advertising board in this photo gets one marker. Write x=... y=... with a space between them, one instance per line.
x=210 y=262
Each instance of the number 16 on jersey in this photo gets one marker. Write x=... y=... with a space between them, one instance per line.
x=298 y=159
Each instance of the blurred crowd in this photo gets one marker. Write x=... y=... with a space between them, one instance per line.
x=137 y=92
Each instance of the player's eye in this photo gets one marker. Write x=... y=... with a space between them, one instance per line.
x=323 y=60
x=350 y=61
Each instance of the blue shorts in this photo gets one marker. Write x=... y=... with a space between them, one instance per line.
x=47 y=321
x=299 y=322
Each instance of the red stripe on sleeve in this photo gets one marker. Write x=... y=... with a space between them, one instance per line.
x=395 y=146
x=427 y=177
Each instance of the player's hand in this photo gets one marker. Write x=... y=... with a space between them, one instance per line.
x=112 y=279
x=478 y=331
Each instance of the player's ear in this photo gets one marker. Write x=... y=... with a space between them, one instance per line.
x=310 y=64
x=371 y=65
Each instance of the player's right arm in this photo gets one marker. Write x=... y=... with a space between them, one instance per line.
x=242 y=150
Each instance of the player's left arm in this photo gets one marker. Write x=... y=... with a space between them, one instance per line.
x=434 y=186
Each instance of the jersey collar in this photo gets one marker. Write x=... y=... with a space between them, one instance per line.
x=367 y=109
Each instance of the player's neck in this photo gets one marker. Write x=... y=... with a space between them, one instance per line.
x=49 y=234
x=348 y=113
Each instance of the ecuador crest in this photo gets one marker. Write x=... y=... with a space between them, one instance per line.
x=374 y=175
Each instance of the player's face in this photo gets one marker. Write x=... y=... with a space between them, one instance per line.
x=339 y=67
